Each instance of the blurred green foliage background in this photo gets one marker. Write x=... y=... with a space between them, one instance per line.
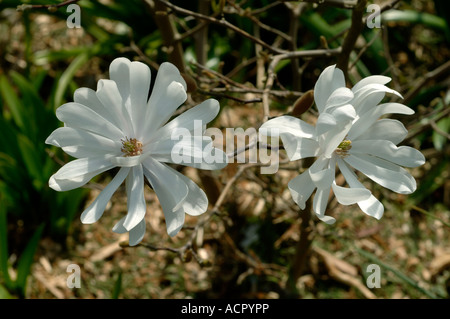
x=43 y=62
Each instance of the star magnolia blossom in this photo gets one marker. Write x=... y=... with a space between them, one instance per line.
x=119 y=126
x=348 y=134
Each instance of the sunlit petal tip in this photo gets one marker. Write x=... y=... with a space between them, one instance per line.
x=327 y=219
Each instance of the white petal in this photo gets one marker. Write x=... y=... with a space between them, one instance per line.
x=169 y=187
x=297 y=148
x=329 y=80
x=128 y=161
x=118 y=227
x=196 y=202
x=137 y=233
x=327 y=219
x=84 y=151
x=325 y=122
x=331 y=139
x=95 y=210
x=168 y=93
x=78 y=172
x=384 y=173
x=371 y=206
x=133 y=83
x=288 y=124
x=189 y=151
x=68 y=136
x=384 y=129
x=108 y=94
x=80 y=116
x=320 y=201
x=159 y=111
x=322 y=172
x=88 y=97
x=135 y=197
x=349 y=196
x=339 y=97
x=373 y=79
x=403 y=155
x=369 y=96
x=372 y=115
x=193 y=118
x=301 y=188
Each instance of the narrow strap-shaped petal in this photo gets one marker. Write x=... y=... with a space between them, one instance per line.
x=320 y=202
x=371 y=206
x=322 y=172
x=288 y=124
x=329 y=80
x=69 y=136
x=135 y=235
x=373 y=79
x=168 y=93
x=80 y=116
x=384 y=129
x=297 y=148
x=95 y=210
x=78 y=172
x=196 y=202
x=340 y=96
x=403 y=155
x=365 y=120
x=349 y=196
x=189 y=151
x=384 y=173
x=198 y=116
x=301 y=188
x=108 y=94
x=135 y=197
x=88 y=97
x=172 y=192
x=133 y=82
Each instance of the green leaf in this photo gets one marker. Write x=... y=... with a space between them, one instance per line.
x=12 y=102
x=117 y=287
x=438 y=139
x=396 y=272
x=67 y=76
x=26 y=260
x=4 y=293
x=411 y=16
x=4 y=245
x=33 y=162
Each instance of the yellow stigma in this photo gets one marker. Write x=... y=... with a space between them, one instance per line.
x=343 y=148
x=131 y=147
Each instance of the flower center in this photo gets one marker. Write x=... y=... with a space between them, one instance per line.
x=343 y=148
x=131 y=147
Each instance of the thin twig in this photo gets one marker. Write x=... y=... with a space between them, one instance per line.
x=24 y=7
x=221 y=22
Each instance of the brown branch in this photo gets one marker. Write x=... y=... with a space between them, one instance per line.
x=24 y=7
x=221 y=22
x=434 y=74
x=169 y=34
x=289 y=55
x=351 y=37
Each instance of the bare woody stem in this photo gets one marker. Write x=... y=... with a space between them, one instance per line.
x=169 y=34
x=351 y=37
x=302 y=249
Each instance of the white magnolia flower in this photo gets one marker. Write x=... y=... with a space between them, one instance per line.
x=349 y=134
x=119 y=126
